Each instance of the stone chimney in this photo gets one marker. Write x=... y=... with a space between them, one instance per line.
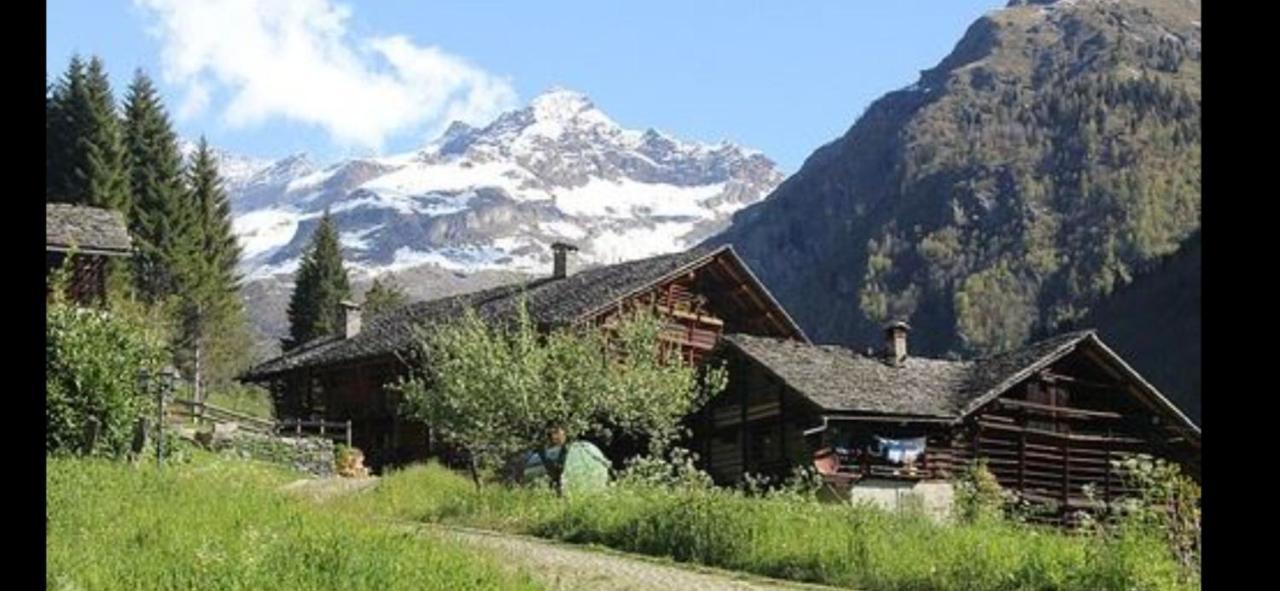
x=350 y=319
x=561 y=252
x=895 y=342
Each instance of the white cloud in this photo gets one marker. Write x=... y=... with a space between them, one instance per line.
x=296 y=59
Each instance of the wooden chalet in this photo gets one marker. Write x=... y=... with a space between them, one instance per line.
x=702 y=293
x=1049 y=417
x=94 y=235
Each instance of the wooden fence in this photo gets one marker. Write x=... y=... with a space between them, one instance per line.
x=203 y=411
x=322 y=428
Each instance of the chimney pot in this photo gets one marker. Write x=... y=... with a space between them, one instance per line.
x=560 y=251
x=895 y=340
x=350 y=319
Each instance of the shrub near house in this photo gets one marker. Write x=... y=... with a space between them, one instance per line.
x=93 y=359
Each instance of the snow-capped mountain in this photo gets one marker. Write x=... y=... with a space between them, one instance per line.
x=496 y=197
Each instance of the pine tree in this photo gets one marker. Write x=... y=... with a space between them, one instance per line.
x=214 y=339
x=83 y=152
x=105 y=174
x=50 y=111
x=383 y=297
x=67 y=108
x=219 y=245
x=163 y=221
x=320 y=286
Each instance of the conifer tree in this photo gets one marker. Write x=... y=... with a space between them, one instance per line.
x=163 y=223
x=383 y=297
x=50 y=164
x=213 y=207
x=83 y=152
x=104 y=177
x=214 y=340
x=320 y=286
x=67 y=109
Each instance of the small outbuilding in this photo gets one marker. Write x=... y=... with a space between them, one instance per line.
x=91 y=236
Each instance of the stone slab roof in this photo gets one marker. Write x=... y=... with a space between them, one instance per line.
x=90 y=230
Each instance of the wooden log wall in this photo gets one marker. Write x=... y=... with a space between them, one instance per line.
x=755 y=427
x=87 y=280
x=1054 y=436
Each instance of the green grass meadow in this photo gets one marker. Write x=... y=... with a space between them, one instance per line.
x=219 y=523
x=843 y=545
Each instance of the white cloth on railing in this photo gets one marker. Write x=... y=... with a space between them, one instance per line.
x=898 y=451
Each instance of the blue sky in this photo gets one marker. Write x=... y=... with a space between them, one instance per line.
x=273 y=77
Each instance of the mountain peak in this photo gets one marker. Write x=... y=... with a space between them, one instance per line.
x=560 y=104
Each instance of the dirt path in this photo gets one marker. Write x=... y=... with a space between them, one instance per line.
x=567 y=567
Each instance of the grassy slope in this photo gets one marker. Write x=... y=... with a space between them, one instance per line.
x=220 y=524
x=785 y=538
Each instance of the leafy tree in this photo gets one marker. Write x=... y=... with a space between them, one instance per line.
x=383 y=297
x=320 y=286
x=492 y=389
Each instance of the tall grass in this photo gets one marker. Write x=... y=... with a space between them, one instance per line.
x=220 y=524
x=860 y=547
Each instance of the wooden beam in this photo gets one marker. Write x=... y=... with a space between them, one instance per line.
x=1061 y=436
x=708 y=320
x=1058 y=410
x=1052 y=377
x=756 y=298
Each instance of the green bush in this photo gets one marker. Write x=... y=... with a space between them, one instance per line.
x=1168 y=507
x=978 y=495
x=92 y=362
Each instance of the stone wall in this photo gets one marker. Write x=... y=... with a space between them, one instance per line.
x=314 y=455
x=934 y=498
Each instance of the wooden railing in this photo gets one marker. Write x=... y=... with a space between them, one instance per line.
x=318 y=427
x=203 y=411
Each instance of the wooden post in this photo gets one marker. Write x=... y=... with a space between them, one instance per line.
x=92 y=428
x=1066 y=473
x=742 y=430
x=322 y=422
x=160 y=421
x=782 y=425
x=348 y=432
x=139 y=443
x=1106 y=482
x=1022 y=454
x=977 y=440
x=297 y=424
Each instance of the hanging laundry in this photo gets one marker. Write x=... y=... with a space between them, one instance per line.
x=897 y=451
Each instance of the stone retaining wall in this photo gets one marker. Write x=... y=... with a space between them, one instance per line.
x=935 y=498
x=314 y=455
